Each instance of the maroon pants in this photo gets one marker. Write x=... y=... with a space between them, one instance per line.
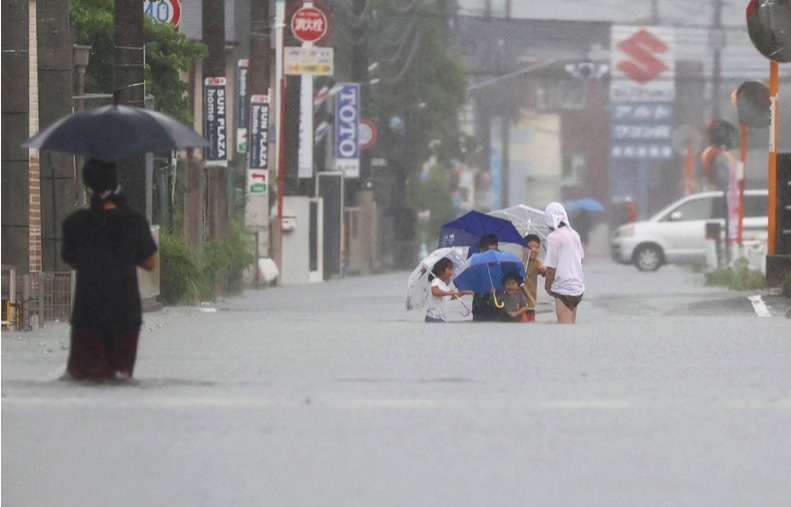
x=102 y=355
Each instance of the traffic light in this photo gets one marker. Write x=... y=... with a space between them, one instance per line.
x=753 y=104
x=769 y=26
x=722 y=133
x=587 y=69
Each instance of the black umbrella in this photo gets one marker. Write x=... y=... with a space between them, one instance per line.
x=115 y=132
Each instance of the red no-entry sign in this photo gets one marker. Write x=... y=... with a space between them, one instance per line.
x=309 y=24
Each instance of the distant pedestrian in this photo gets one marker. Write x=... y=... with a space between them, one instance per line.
x=534 y=266
x=564 y=279
x=441 y=293
x=583 y=223
x=105 y=244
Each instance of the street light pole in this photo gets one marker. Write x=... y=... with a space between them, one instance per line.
x=717 y=41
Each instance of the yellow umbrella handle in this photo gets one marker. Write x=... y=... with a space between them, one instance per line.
x=498 y=305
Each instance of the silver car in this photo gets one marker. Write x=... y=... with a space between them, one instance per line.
x=678 y=233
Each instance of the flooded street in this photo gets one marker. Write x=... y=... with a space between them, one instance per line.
x=665 y=392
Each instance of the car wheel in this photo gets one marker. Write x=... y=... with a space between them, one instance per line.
x=648 y=258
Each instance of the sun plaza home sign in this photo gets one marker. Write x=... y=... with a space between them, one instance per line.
x=214 y=120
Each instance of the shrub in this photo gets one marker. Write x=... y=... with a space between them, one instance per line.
x=737 y=277
x=785 y=284
x=182 y=277
x=227 y=259
x=189 y=275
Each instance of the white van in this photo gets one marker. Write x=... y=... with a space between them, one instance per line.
x=678 y=233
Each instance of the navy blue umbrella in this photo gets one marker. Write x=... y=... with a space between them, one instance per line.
x=468 y=229
x=482 y=271
x=115 y=132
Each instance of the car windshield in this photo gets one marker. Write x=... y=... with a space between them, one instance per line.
x=704 y=208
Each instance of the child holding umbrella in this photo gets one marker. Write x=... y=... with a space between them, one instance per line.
x=441 y=292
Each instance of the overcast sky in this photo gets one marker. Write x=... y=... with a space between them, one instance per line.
x=671 y=12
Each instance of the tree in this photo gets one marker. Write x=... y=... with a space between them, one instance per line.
x=168 y=53
x=417 y=88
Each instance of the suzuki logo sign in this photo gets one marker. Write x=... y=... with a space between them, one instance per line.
x=642 y=65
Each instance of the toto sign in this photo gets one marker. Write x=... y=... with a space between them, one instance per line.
x=309 y=24
x=347 y=130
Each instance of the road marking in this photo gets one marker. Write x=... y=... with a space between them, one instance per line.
x=758 y=305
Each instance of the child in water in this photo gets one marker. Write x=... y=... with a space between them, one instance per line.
x=514 y=300
x=441 y=293
x=534 y=266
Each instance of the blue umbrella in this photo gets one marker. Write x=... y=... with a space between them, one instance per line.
x=586 y=204
x=482 y=271
x=468 y=229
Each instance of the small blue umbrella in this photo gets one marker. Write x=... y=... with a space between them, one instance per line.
x=586 y=204
x=482 y=271
x=468 y=229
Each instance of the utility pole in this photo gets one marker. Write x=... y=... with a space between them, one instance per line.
x=213 y=15
x=129 y=88
x=717 y=41
x=258 y=82
x=360 y=75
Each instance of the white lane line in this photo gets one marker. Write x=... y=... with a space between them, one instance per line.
x=758 y=305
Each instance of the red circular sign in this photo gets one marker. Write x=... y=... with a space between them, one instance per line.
x=309 y=24
x=367 y=136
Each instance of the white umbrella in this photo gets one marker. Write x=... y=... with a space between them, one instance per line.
x=526 y=219
x=418 y=286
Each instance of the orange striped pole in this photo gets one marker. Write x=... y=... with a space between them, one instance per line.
x=773 y=86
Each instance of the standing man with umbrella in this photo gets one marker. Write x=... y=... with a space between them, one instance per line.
x=105 y=244
x=564 y=278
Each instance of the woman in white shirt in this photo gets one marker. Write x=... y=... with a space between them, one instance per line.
x=441 y=293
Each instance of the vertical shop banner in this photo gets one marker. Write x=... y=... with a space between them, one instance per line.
x=347 y=129
x=305 y=154
x=214 y=121
x=259 y=132
x=257 y=177
x=642 y=92
x=242 y=106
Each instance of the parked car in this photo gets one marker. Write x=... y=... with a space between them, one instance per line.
x=677 y=234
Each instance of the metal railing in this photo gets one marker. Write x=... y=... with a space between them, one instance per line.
x=30 y=300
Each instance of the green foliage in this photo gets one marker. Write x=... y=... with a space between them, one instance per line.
x=738 y=277
x=168 y=53
x=785 y=284
x=188 y=275
x=182 y=278
x=230 y=257
x=410 y=44
x=431 y=191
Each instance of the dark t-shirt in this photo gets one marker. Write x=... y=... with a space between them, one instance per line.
x=105 y=247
